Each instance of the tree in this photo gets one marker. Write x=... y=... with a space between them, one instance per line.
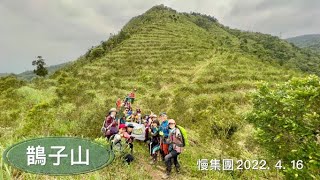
x=41 y=70
x=287 y=120
x=96 y=52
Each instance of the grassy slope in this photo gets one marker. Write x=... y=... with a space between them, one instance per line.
x=193 y=73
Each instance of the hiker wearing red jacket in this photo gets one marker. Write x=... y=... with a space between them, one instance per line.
x=118 y=104
x=132 y=96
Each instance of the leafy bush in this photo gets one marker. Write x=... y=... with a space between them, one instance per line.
x=10 y=82
x=288 y=122
x=96 y=52
x=203 y=23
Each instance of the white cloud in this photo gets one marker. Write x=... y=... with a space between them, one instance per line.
x=62 y=30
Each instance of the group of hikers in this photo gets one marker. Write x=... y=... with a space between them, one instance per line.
x=161 y=133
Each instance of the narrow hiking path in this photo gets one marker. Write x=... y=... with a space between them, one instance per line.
x=153 y=170
x=143 y=159
x=190 y=77
x=199 y=69
x=156 y=170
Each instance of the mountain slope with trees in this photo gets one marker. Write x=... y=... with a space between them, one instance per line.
x=198 y=71
x=29 y=75
x=310 y=41
x=3 y=74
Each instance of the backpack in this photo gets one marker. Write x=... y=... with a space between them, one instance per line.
x=128 y=158
x=119 y=146
x=184 y=135
x=112 y=144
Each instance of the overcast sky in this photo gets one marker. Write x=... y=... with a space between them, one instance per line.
x=62 y=30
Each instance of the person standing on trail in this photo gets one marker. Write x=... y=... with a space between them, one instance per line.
x=131 y=117
x=155 y=140
x=148 y=122
x=127 y=102
x=138 y=118
x=128 y=105
x=154 y=117
x=129 y=137
x=132 y=96
x=145 y=121
x=175 y=148
x=124 y=116
x=138 y=110
x=120 y=144
x=118 y=104
x=118 y=139
x=164 y=134
x=110 y=123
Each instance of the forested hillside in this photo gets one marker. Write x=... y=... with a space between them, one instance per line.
x=311 y=41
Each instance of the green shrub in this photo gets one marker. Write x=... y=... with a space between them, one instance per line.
x=10 y=82
x=96 y=52
x=287 y=119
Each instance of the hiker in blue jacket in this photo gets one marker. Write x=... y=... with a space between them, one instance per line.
x=164 y=134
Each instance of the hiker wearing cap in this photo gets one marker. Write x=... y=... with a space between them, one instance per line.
x=148 y=124
x=175 y=148
x=129 y=131
x=110 y=123
x=118 y=139
x=155 y=140
x=120 y=146
x=164 y=134
x=152 y=118
x=129 y=137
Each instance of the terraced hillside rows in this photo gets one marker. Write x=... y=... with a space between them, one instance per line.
x=198 y=76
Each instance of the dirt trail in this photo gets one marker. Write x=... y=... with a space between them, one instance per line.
x=156 y=171
x=201 y=67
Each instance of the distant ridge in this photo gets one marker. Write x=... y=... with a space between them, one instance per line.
x=28 y=75
x=310 y=41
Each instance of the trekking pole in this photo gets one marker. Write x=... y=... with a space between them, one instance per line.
x=109 y=126
x=151 y=148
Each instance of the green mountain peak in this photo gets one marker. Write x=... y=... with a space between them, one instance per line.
x=201 y=73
